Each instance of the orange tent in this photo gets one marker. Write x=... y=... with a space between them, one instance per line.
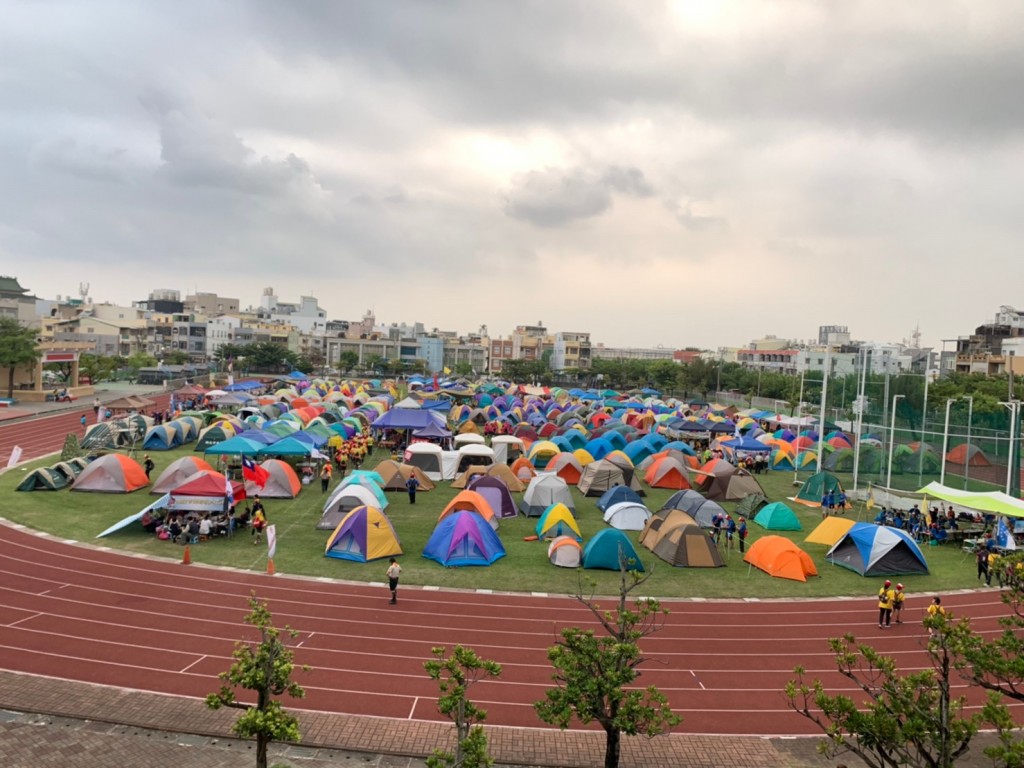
x=473 y=502
x=566 y=466
x=523 y=469
x=779 y=557
x=667 y=472
x=965 y=455
x=112 y=473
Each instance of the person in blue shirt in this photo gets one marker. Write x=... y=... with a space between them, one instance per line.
x=741 y=532
x=730 y=531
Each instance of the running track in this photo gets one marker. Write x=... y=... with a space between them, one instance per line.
x=94 y=615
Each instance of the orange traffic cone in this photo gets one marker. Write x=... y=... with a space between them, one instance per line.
x=186 y=558
x=270 y=566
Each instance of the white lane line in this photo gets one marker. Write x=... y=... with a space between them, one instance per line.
x=27 y=618
x=186 y=669
x=698 y=680
x=412 y=709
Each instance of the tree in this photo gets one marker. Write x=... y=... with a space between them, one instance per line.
x=175 y=357
x=264 y=667
x=592 y=672
x=348 y=360
x=17 y=348
x=455 y=674
x=903 y=720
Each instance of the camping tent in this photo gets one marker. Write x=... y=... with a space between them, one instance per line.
x=394 y=476
x=543 y=491
x=565 y=552
x=667 y=472
x=281 y=483
x=43 y=479
x=566 y=466
x=463 y=538
x=969 y=455
x=207 y=491
x=496 y=493
x=601 y=475
x=608 y=549
x=627 y=516
x=557 y=520
x=507 y=448
x=615 y=494
x=344 y=501
x=877 y=550
x=749 y=506
x=473 y=502
x=474 y=454
x=686 y=546
x=112 y=473
x=815 y=487
x=177 y=472
x=693 y=503
x=778 y=517
x=719 y=480
x=365 y=482
x=779 y=557
x=663 y=518
x=364 y=534
x=428 y=457
x=830 y=530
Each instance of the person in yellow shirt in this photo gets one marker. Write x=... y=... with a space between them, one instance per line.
x=897 y=604
x=886 y=598
x=935 y=609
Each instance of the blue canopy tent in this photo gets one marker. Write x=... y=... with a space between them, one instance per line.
x=240 y=445
x=288 y=446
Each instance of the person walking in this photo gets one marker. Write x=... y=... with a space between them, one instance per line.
x=935 y=609
x=897 y=604
x=886 y=597
x=325 y=477
x=411 y=485
x=981 y=555
x=147 y=465
x=741 y=532
x=730 y=531
x=394 y=571
x=83 y=421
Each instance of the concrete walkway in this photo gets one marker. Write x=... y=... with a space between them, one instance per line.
x=49 y=722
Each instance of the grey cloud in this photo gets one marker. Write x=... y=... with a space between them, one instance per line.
x=554 y=197
x=67 y=156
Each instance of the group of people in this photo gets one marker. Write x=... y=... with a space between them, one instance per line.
x=890 y=606
x=834 y=502
x=192 y=526
x=733 y=530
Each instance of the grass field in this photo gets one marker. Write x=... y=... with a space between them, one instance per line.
x=525 y=568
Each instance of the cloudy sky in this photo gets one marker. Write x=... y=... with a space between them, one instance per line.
x=656 y=173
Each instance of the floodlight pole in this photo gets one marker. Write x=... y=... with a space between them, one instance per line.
x=1014 y=407
x=822 y=413
x=945 y=441
x=859 y=429
x=892 y=439
x=967 y=463
x=799 y=410
x=924 y=421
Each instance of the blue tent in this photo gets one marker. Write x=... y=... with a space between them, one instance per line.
x=288 y=446
x=240 y=445
x=464 y=538
x=877 y=550
x=162 y=438
x=603 y=551
x=748 y=444
x=616 y=494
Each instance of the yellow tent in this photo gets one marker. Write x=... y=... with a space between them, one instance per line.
x=830 y=530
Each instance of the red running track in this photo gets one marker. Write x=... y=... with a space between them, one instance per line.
x=43 y=435
x=99 y=616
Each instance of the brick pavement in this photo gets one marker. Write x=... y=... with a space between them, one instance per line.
x=80 y=724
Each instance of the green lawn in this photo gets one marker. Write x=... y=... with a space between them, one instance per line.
x=525 y=568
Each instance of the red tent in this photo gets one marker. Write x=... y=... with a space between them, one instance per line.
x=205 y=490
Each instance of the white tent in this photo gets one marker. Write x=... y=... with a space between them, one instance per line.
x=426 y=456
x=543 y=491
x=627 y=516
x=507 y=448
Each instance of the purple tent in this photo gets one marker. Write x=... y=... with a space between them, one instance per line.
x=464 y=538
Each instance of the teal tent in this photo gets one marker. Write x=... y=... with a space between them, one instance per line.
x=778 y=517
x=606 y=548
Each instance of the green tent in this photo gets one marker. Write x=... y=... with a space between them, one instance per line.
x=840 y=460
x=749 y=506
x=816 y=486
x=43 y=479
x=778 y=517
